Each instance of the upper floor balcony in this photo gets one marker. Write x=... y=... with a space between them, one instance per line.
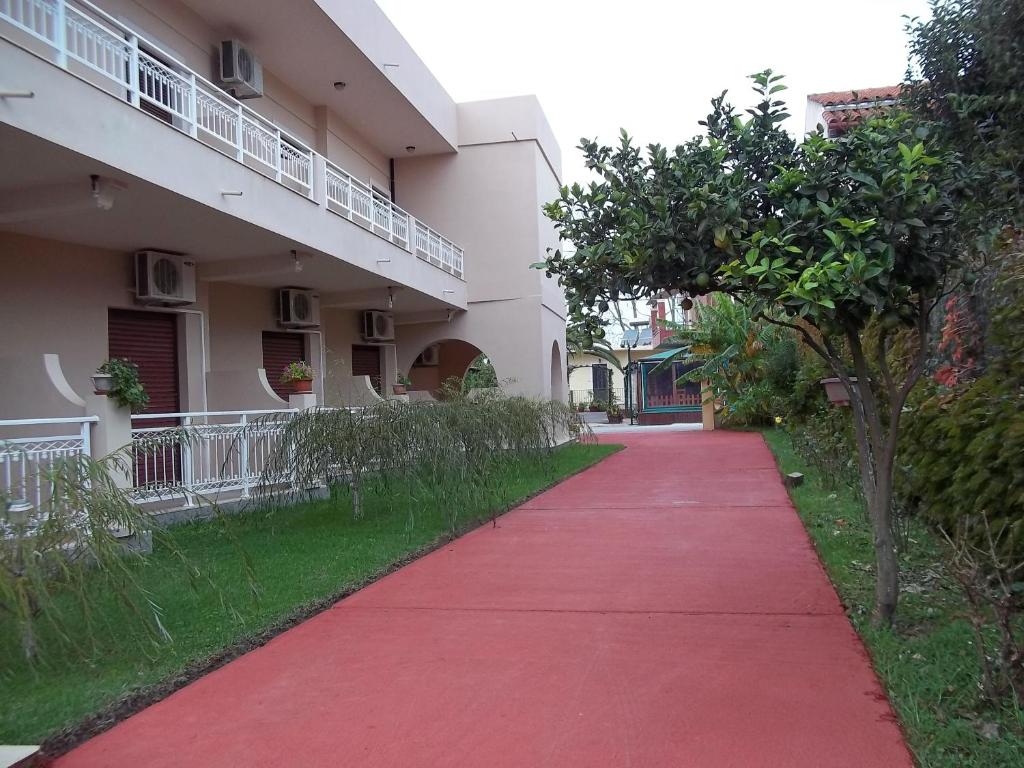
x=82 y=39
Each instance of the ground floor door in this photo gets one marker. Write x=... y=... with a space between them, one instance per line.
x=280 y=349
x=366 y=362
x=150 y=340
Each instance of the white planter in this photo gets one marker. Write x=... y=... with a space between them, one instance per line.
x=102 y=383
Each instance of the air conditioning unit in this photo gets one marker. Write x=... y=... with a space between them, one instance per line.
x=298 y=308
x=240 y=73
x=164 y=278
x=430 y=356
x=378 y=326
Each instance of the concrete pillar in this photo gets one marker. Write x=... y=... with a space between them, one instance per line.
x=389 y=373
x=302 y=402
x=707 y=407
x=111 y=434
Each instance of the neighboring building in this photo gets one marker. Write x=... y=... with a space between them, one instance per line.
x=146 y=213
x=641 y=382
x=838 y=111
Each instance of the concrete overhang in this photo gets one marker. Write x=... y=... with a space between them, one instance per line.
x=390 y=96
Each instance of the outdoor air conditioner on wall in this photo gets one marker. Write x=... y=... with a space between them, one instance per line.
x=164 y=278
x=378 y=326
x=240 y=72
x=431 y=356
x=298 y=308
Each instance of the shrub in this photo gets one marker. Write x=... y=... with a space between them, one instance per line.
x=127 y=387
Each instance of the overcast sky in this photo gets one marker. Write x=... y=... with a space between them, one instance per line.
x=650 y=66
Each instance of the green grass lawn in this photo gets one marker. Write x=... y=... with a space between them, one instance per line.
x=301 y=555
x=928 y=663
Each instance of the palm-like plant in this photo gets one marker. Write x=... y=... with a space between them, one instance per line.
x=579 y=341
x=745 y=361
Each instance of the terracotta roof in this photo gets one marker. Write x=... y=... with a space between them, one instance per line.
x=844 y=109
x=857 y=95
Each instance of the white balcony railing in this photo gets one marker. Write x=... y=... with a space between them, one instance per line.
x=27 y=462
x=205 y=452
x=94 y=45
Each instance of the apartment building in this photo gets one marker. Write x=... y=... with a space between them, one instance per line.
x=215 y=188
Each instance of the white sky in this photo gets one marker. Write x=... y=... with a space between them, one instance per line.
x=650 y=66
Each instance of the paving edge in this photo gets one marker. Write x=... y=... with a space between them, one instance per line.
x=131 y=703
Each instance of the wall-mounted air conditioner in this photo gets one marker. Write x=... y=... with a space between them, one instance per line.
x=241 y=74
x=378 y=326
x=298 y=308
x=164 y=278
x=431 y=356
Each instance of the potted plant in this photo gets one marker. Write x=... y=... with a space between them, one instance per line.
x=614 y=414
x=402 y=387
x=596 y=406
x=120 y=380
x=300 y=375
x=836 y=390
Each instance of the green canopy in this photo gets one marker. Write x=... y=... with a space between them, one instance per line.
x=664 y=354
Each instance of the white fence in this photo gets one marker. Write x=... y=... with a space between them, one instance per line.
x=90 y=42
x=26 y=462
x=205 y=452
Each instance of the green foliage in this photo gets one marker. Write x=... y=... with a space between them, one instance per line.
x=453 y=447
x=748 y=363
x=298 y=370
x=127 y=386
x=824 y=439
x=304 y=557
x=969 y=62
x=481 y=375
x=68 y=546
x=581 y=339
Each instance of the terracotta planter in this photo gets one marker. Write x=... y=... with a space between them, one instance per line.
x=398 y=389
x=836 y=391
x=102 y=383
x=302 y=386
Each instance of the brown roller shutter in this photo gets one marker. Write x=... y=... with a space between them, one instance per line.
x=279 y=349
x=366 y=362
x=150 y=340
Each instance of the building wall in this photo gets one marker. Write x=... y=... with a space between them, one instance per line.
x=506 y=169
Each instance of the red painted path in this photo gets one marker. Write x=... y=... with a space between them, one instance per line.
x=664 y=608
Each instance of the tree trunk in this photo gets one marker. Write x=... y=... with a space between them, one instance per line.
x=887 y=587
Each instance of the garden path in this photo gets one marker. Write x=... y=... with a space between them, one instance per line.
x=664 y=608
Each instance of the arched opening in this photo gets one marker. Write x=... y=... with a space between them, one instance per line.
x=557 y=378
x=451 y=359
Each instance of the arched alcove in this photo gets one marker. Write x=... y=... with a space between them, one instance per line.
x=444 y=360
x=558 y=382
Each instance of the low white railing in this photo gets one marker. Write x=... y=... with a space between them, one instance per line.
x=82 y=35
x=206 y=452
x=26 y=462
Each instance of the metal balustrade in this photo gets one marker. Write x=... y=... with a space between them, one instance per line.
x=208 y=452
x=82 y=35
x=26 y=463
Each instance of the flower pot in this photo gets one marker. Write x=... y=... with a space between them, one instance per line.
x=302 y=386
x=102 y=383
x=398 y=389
x=616 y=419
x=836 y=391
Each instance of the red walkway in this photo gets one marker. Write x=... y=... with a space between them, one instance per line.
x=662 y=609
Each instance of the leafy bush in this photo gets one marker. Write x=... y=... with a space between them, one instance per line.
x=749 y=363
x=127 y=387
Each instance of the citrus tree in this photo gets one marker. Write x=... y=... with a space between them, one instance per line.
x=828 y=237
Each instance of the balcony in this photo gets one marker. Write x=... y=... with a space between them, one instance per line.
x=84 y=40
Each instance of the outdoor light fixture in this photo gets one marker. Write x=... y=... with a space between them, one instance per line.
x=339 y=85
x=231 y=193
x=17 y=94
x=410 y=149
x=296 y=262
x=383 y=261
x=447 y=290
x=391 y=299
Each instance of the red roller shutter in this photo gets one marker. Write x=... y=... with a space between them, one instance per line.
x=366 y=362
x=279 y=349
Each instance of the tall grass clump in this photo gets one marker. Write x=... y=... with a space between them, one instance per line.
x=448 y=449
